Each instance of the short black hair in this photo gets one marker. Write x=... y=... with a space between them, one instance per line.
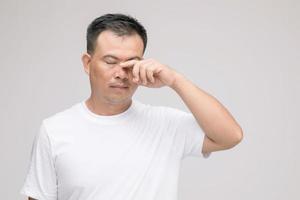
x=118 y=23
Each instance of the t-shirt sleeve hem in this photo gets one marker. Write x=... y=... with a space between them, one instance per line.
x=206 y=155
x=34 y=194
x=200 y=146
x=30 y=193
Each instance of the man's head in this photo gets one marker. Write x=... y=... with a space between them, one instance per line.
x=112 y=39
x=120 y=24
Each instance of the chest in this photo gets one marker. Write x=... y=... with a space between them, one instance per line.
x=102 y=156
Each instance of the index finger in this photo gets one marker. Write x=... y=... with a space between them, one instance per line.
x=129 y=63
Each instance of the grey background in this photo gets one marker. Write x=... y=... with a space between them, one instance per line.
x=244 y=53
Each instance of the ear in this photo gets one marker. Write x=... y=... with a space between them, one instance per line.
x=86 y=60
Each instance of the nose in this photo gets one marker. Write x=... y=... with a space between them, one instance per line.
x=121 y=72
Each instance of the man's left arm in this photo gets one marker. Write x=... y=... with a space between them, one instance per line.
x=220 y=128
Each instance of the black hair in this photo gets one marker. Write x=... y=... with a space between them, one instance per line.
x=118 y=23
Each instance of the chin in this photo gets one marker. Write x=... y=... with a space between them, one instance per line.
x=116 y=100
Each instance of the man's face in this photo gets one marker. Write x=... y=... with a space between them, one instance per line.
x=109 y=81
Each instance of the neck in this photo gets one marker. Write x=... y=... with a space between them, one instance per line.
x=101 y=107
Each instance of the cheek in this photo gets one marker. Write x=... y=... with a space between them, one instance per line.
x=99 y=74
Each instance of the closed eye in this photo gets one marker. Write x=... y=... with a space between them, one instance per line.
x=110 y=63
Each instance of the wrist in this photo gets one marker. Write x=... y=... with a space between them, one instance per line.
x=177 y=79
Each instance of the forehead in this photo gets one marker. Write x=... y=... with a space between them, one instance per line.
x=120 y=46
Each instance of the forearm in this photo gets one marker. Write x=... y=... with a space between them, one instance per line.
x=216 y=121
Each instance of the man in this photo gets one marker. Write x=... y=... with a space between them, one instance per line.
x=111 y=146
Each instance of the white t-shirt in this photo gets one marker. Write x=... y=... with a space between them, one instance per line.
x=134 y=155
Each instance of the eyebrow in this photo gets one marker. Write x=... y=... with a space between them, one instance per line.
x=112 y=56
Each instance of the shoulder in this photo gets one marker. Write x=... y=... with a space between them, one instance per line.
x=62 y=119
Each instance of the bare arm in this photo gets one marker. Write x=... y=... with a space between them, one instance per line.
x=221 y=129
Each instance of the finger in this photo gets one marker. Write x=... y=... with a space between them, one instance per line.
x=149 y=71
x=150 y=76
x=136 y=72
x=143 y=74
x=144 y=67
x=129 y=63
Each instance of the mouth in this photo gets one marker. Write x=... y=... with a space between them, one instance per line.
x=120 y=87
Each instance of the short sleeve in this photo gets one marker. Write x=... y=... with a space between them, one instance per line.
x=40 y=182
x=192 y=135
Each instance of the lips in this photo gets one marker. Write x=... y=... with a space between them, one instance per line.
x=119 y=86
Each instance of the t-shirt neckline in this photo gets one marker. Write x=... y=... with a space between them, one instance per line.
x=108 y=119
